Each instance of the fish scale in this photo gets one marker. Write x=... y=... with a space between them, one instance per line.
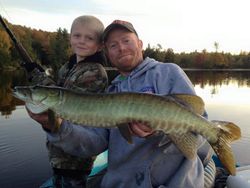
x=132 y=107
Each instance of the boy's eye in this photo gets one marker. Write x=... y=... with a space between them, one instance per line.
x=77 y=35
x=89 y=38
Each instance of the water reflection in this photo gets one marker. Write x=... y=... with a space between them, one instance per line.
x=9 y=79
x=226 y=95
x=217 y=79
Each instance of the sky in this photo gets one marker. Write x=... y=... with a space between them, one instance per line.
x=182 y=25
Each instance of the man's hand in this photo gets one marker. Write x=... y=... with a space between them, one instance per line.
x=50 y=125
x=140 y=129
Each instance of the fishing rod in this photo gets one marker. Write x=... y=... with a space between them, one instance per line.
x=27 y=62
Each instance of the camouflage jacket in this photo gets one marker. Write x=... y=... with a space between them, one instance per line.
x=85 y=76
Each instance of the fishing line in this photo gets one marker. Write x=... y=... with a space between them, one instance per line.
x=4 y=10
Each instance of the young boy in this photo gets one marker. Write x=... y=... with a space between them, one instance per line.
x=83 y=73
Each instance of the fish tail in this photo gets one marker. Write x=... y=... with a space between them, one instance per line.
x=229 y=132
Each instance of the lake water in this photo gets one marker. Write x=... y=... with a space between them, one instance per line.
x=23 y=155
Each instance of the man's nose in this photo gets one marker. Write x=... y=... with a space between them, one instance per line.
x=121 y=46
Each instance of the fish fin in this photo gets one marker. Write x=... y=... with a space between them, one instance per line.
x=194 y=102
x=233 y=130
x=229 y=132
x=125 y=132
x=52 y=120
x=36 y=108
x=187 y=143
x=164 y=141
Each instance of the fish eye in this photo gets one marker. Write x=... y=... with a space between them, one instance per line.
x=53 y=93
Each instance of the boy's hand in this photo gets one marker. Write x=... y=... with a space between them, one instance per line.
x=43 y=119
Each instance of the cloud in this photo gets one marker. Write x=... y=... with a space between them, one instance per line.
x=179 y=24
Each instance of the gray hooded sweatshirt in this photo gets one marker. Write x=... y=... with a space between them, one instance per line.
x=142 y=164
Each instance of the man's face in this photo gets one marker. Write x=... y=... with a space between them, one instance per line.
x=124 y=50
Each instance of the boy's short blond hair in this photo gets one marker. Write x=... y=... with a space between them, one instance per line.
x=91 y=21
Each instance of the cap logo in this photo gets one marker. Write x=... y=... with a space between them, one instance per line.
x=121 y=22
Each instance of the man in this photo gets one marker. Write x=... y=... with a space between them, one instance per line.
x=143 y=163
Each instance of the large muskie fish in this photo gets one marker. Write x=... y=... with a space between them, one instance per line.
x=179 y=116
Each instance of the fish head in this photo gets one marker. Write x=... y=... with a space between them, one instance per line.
x=45 y=95
x=23 y=93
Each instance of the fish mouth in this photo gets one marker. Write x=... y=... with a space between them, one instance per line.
x=21 y=92
x=15 y=92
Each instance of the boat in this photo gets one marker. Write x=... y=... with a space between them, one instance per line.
x=100 y=164
x=241 y=180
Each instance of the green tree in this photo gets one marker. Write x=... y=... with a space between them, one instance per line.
x=40 y=45
x=59 y=48
x=169 y=55
x=216 y=46
x=5 y=45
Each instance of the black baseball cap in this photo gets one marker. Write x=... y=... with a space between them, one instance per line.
x=118 y=24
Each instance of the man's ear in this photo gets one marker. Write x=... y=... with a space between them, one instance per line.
x=140 y=43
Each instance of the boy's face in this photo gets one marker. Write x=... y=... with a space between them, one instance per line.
x=84 y=41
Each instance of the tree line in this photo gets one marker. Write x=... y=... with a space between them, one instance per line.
x=200 y=60
x=52 y=49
